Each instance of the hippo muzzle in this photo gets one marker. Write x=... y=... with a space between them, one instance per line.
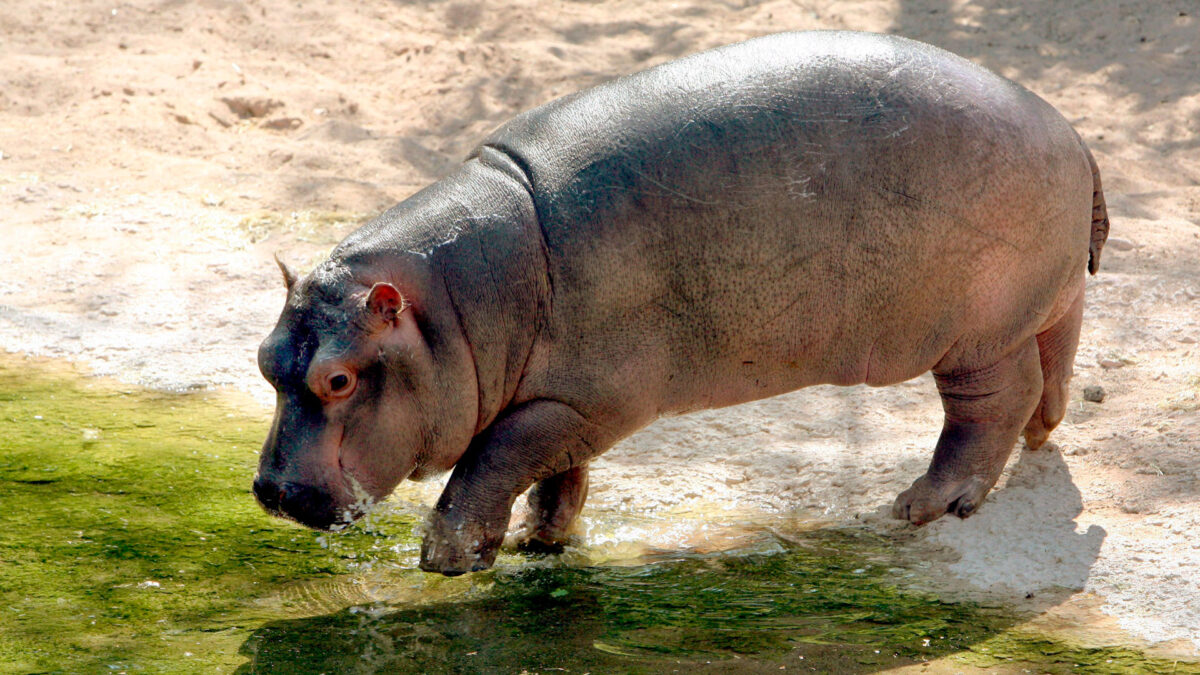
x=301 y=476
x=311 y=506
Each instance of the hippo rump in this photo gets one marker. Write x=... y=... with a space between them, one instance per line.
x=798 y=209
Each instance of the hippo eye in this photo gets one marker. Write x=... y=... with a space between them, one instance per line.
x=339 y=382
x=334 y=382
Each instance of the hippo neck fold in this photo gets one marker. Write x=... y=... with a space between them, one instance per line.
x=475 y=232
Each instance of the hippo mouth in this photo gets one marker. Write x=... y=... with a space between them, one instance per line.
x=305 y=504
x=315 y=507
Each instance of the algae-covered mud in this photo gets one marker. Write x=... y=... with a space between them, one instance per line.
x=127 y=537
x=130 y=543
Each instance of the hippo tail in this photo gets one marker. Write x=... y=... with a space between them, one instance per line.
x=1099 y=215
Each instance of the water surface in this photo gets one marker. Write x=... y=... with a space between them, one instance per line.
x=130 y=542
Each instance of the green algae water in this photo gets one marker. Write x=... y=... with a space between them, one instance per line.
x=130 y=543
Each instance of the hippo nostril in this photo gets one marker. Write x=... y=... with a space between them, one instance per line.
x=267 y=493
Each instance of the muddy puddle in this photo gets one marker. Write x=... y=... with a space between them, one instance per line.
x=129 y=542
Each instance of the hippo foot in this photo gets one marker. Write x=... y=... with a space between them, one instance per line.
x=541 y=546
x=554 y=506
x=454 y=548
x=534 y=539
x=1036 y=434
x=545 y=531
x=927 y=499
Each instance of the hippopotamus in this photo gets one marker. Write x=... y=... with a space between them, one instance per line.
x=798 y=209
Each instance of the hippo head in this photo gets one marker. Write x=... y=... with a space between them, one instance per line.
x=364 y=398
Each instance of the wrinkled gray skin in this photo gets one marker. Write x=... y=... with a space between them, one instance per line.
x=798 y=209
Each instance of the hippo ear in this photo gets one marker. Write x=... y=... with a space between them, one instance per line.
x=289 y=277
x=385 y=301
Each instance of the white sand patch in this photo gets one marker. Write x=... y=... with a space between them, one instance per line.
x=1150 y=576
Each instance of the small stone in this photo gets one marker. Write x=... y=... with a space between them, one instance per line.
x=1111 y=363
x=1119 y=244
x=283 y=123
x=1093 y=393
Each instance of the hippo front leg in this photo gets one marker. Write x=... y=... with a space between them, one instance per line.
x=536 y=441
x=554 y=504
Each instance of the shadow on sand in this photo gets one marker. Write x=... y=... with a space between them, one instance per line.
x=1024 y=541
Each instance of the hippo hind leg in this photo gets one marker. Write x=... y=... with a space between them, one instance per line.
x=1056 y=349
x=986 y=409
x=554 y=504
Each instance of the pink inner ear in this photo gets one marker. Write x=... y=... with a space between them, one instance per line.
x=385 y=300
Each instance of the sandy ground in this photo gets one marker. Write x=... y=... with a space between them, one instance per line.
x=154 y=154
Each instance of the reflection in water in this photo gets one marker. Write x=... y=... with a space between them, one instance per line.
x=821 y=601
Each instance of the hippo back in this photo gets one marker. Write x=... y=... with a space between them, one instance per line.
x=787 y=210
